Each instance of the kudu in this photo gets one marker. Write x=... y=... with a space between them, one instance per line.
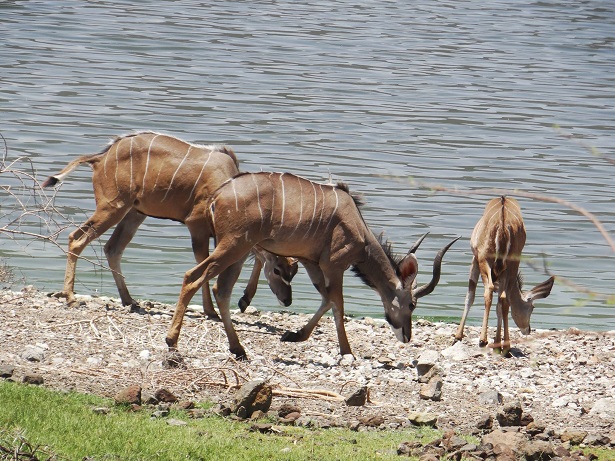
x=151 y=174
x=497 y=242
x=322 y=227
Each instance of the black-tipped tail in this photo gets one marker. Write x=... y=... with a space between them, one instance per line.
x=50 y=182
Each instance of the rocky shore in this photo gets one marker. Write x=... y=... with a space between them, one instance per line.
x=558 y=386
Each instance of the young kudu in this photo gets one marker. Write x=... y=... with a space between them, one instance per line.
x=152 y=174
x=322 y=227
x=497 y=242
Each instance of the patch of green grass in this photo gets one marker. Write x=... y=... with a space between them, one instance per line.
x=68 y=426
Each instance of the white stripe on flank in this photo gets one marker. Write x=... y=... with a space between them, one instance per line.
x=106 y=158
x=236 y=198
x=300 y=208
x=337 y=201
x=283 y=199
x=313 y=211
x=322 y=208
x=147 y=162
x=117 y=164
x=131 y=178
x=198 y=179
x=174 y=174
x=258 y=199
x=272 y=200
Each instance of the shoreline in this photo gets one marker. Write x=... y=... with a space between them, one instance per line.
x=563 y=379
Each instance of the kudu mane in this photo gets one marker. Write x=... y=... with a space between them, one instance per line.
x=388 y=251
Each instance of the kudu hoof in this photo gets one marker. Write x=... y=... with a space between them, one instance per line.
x=240 y=354
x=243 y=304
x=292 y=337
x=483 y=343
x=213 y=317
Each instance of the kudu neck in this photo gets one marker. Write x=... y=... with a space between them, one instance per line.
x=377 y=270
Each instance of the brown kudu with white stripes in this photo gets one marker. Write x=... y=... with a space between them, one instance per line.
x=152 y=174
x=322 y=227
x=497 y=242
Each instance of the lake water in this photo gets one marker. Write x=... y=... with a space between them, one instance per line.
x=390 y=97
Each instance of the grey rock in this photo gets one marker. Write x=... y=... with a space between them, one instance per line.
x=485 y=422
x=426 y=361
x=163 y=395
x=595 y=440
x=537 y=451
x=432 y=390
x=511 y=440
x=510 y=415
x=422 y=419
x=424 y=379
x=357 y=397
x=130 y=395
x=604 y=409
x=372 y=421
x=574 y=437
x=252 y=396
x=491 y=397
x=457 y=352
x=33 y=354
x=286 y=409
x=32 y=378
x=6 y=371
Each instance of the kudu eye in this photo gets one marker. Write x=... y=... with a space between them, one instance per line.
x=276 y=271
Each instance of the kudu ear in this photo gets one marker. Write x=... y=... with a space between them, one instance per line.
x=408 y=268
x=540 y=291
x=294 y=266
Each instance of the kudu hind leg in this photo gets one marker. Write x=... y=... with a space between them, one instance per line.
x=196 y=277
x=114 y=249
x=98 y=224
x=200 y=248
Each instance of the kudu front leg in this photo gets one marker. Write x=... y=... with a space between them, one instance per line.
x=485 y=271
x=502 y=347
x=472 y=283
x=318 y=280
x=250 y=290
x=222 y=293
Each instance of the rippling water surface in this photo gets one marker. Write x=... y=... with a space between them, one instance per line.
x=387 y=96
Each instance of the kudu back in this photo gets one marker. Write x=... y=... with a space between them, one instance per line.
x=152 y=174
x=321 y=226
x=497 y=242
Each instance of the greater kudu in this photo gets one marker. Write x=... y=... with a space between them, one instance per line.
x=152 y=174
x=319 y=224
x=497 y=242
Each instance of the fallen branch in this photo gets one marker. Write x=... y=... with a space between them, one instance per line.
x=321 y=394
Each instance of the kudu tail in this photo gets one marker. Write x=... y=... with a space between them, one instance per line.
x=502 y=239
x=56 y=178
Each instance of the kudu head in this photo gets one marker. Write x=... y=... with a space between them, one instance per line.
x=399 y=311
x=521 y=311
x=279 y=271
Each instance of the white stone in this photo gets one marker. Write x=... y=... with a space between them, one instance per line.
x=457 y=351
x=604 y=408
